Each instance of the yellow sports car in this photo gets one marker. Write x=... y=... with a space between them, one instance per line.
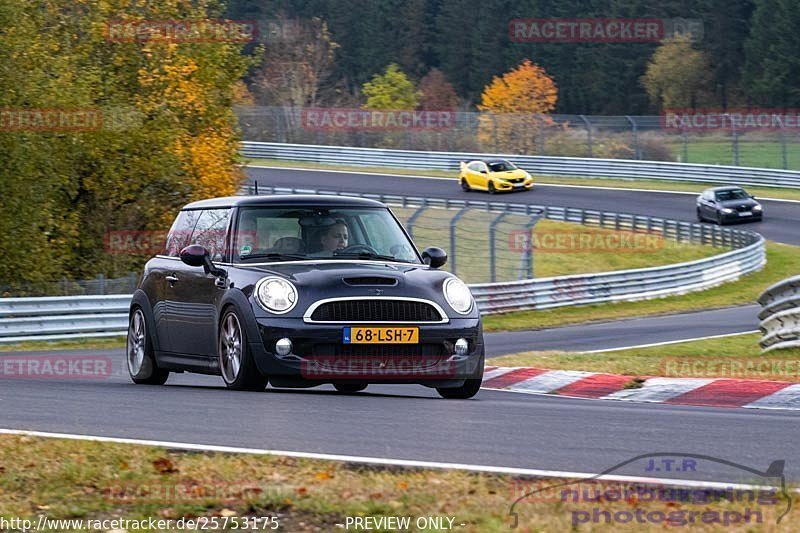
x=493 y=175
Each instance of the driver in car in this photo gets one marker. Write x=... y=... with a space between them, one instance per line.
x=334 y=237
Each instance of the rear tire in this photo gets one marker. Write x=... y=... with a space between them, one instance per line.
x=470 y=387
x=139 y=353
x=350 y=387
x=236 y=363
x=465 y=185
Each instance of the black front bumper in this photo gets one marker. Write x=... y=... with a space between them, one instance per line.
x=319 y=355
x=735 y=217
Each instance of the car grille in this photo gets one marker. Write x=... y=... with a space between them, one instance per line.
x=743 y=208
x=433 y=352
x=376 y=310
x=517 y=180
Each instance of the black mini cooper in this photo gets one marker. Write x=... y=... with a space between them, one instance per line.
x=299 y=291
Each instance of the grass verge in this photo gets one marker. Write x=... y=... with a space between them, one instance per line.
x=737 y=356
x=782 y=261
x=67 y=344
x=639 y=183
x=64 y=479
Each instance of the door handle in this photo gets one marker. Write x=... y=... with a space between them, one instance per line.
x=172 y=278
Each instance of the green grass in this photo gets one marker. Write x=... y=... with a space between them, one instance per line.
x=641 y=183
x=737 y=356
x=782 y=261
x=76 y=344
x=67 y=479
x=752 y=153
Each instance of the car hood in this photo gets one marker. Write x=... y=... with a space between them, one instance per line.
x=316 y=280
x=510 y=174
x=733 y=204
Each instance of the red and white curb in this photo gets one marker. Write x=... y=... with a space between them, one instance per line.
x=709 y=392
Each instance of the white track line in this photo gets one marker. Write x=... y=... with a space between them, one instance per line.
x=536 y=184
x=382 y=461
x=665 y=343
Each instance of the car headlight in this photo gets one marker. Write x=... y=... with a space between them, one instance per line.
x=458 y=296
x=727 y=211
x=276 y=295
x=757 y=208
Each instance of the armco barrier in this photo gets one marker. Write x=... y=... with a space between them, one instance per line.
x=537 y=165
x=780 y=315
x=24 y=319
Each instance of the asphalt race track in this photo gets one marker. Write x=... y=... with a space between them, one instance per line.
x=404 y=422
x=780 y=222
x=495 y=428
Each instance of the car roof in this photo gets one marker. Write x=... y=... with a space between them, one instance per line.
x=284 y=200
x=725 y=188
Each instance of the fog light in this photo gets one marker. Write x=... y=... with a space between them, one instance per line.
x=283 y=347
x=462 y=347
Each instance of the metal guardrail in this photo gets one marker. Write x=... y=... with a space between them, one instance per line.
x=780 y=315
x=63 y=317
x=23 y=319
x=537 y=165
x=748 y=255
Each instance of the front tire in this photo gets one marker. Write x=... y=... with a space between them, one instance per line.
x=470 y=387
x=236 y=364
x=700 y=216
x=140 y=357
x=492 y=190
x=719 y=219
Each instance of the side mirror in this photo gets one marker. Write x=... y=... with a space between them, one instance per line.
x=196 y=255
x=752 y=196
x=434 y=257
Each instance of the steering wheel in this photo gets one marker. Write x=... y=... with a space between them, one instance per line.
x=357 y=249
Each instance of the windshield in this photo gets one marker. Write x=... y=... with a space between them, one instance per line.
x=266 y=234
x=501 y=166
x=733 y=194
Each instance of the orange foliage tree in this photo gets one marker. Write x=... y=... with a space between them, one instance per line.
x=515 y=108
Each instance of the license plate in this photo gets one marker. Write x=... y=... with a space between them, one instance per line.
x=745 y=214
x=519 y=185
x=389 y=335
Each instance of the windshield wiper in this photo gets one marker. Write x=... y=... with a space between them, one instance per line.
x=368 y=255
x=274 y=255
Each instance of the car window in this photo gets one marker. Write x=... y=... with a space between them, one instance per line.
x=270 y=233
x=180 y=233
x=733 y=194
x=501 y=166
x=382 y=237
x=473 y=167
x=211 y=231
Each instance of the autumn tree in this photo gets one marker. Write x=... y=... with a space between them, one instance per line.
x=166 y=135
x=391 y=90
x=677 y=75
x=294 y=67
x=437 y=92
x=516 y=107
